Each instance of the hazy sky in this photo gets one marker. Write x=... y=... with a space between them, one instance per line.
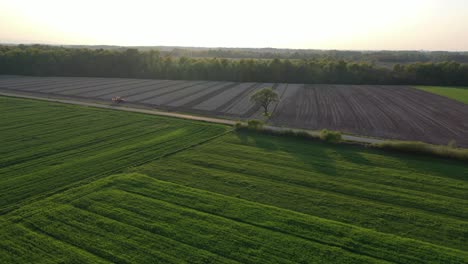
x=314 y=24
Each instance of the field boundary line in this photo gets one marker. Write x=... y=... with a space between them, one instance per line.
x=9 y=209
x=352 y=138
x=123 y=108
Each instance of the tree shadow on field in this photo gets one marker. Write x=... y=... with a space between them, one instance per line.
x=314 y=155
x=252 y=138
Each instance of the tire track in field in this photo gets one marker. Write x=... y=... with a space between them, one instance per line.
x=255 y=225
x=124 y=135
x=29 y=83
x=212 y=94
x=166 y=99
x=65 y=86
x=41 y=233
x=78 y=90
x=87 y=179
x=146 y=87
x=220 y=89
x=99 y=88
x=189 y=85
x=149 y=231
x=165 y=84
x=359 y=189
x=58 y=146
x=231 y=101
x=280 y=98
x=38 y=85
x=61 y=84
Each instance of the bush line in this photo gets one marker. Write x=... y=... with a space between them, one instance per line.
x=412 y=147
x=424 y=148
x=258 y=126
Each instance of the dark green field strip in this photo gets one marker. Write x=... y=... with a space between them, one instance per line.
x=99 y=163
x=21 y=245
x=209 y=231
x=353 y=171
x=26 y=123
x=55 y=136
x=52 y=137
x=286 y=221
x=180 y=228
x=119 y=212
x=381 y=217
x=359 y=189
x=355 y=156
x=117 y=242
x=80 y=147
x=54 y=145
x=267 y=184
x=84 y=151
x=351 y=163
x=17 y=118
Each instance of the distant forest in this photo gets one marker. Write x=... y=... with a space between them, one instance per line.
x=243 y=65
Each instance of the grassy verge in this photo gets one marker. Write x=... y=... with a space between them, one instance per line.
x=336 y=137
x=424 y=148
x=258 y=126
x=456 y=93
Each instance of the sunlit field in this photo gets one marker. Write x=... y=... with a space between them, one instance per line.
x=155 y=189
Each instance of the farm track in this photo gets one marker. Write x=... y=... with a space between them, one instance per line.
x=128 y=92
x=113 y=87
x=146 y=93
x=196 y=101
x=183 y=87
x=393 y=112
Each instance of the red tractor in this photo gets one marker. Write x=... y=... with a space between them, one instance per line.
x=117 y=99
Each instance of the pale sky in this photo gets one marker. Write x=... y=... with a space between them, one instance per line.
x=308 y=24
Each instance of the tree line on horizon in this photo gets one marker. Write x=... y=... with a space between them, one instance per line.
x=132 y=63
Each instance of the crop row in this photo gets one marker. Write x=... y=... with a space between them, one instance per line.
x=63 y=147
x=370 y=190
x=133 y=217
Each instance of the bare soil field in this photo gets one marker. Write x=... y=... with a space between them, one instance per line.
x=394 y=112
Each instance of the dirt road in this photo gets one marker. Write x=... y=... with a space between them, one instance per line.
x=178 y=115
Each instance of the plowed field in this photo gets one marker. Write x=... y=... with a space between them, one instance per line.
x=395 y=112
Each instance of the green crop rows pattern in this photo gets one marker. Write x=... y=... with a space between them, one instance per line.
x=46 y=147
x=82 y=185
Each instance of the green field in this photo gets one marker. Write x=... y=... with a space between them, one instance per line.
x=47 y=147
x=456 y=93
x=81 y=185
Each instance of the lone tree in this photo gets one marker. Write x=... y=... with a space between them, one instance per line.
x=264 y=98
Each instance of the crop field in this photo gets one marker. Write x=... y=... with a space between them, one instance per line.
x=85 y=185
x=393 y=112
x=46 y=147
x=455 y=93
